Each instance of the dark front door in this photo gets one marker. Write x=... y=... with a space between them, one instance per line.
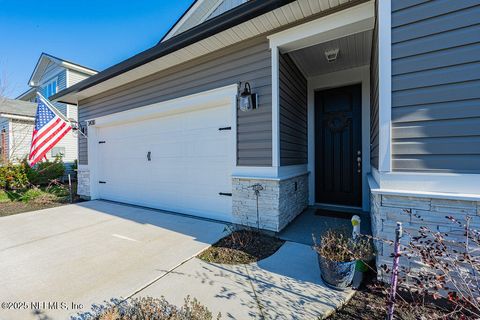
x=338 y=146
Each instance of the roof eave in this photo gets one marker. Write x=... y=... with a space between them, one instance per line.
x=231 y=18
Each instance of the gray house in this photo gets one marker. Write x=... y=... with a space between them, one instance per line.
x=366 y=105
x=51 y=75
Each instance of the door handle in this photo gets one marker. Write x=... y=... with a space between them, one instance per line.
x=359 y=161
x=149 y=156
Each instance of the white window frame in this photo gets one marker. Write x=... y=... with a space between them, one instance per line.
x=50 y=82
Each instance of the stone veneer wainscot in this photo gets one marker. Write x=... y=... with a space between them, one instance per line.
x=83 y=180
x=415 y=212
x=280 y=201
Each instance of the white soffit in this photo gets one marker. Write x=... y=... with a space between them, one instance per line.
x=269 y=21
x=340 y=24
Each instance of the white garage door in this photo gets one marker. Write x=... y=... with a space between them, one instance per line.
x=180 y=162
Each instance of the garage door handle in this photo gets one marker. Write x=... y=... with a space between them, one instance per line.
x=101 y=182
x=225 y=194
x=224 y=128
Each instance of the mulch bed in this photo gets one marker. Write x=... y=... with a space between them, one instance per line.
x=371 y=303
x=242 y=247
x=15 y=207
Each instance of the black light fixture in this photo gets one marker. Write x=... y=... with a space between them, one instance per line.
x=247 y=100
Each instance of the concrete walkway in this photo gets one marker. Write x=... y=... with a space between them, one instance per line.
x=91 y=252
x=286 y=285
x=309 y=222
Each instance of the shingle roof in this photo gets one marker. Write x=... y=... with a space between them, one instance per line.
x=17 y=107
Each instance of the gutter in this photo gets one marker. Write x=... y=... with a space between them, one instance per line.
x=16 y=117
x=229 y=19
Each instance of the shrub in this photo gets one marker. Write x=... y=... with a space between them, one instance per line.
x=13 y=176
x=37 y=195
x=58 y=190
x=148 y=308
x=336 y=246
x=45 y=172
x=31 y=194
x=446 y=265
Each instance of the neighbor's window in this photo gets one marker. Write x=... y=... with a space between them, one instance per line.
x=50 y=88
x=58 y=151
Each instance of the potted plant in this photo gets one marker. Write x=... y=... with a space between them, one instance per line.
x=337 y=256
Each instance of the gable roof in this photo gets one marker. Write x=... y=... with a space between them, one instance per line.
x=29 y=92
x=208 y=28
x=45 y=59
x=198 y=12
x=181 y=20
x=17 y=108
x=243 y=22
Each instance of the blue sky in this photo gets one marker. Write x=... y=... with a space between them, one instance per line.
x=96 y=34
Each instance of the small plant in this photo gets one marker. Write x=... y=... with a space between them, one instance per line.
x=242 y=247
x=13 y=176
x=337 y=246
x=148 y=308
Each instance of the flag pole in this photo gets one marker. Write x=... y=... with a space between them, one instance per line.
x=58 y=113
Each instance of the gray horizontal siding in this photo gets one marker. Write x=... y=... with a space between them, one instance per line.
x=225 y=6
x=293 y=114
x=374 y=99
x=436 y=85
x=247 y=61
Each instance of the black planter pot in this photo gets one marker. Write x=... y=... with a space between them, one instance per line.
x=337 y=275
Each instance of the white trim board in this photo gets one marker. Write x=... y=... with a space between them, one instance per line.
x=428 y=182
x=206 y=99
x=275 y=108
x=336 y=25
x=385 y=86
x=360 y=75
x=375 y=189
x=270 y=173
x=12 y=116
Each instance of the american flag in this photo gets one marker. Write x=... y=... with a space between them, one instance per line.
x=49 y=130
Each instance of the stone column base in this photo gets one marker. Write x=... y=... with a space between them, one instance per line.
x=280 y=201
x=414 y=212
x=83 y=187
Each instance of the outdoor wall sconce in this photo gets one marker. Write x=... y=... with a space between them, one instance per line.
x=247 y=100
x=332 y=55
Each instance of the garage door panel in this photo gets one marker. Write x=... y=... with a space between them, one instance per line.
x=191 y=163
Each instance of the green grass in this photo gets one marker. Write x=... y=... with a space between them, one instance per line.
x=53 y=193
x=4 y=196
x=32 y=194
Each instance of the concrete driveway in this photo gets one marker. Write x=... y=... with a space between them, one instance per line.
x=69 y=257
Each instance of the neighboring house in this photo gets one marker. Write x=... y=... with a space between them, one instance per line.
x=51 y=75
x=16 y=127
x=362 y=105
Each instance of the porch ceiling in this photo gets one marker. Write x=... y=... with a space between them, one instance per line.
x=355 y=51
